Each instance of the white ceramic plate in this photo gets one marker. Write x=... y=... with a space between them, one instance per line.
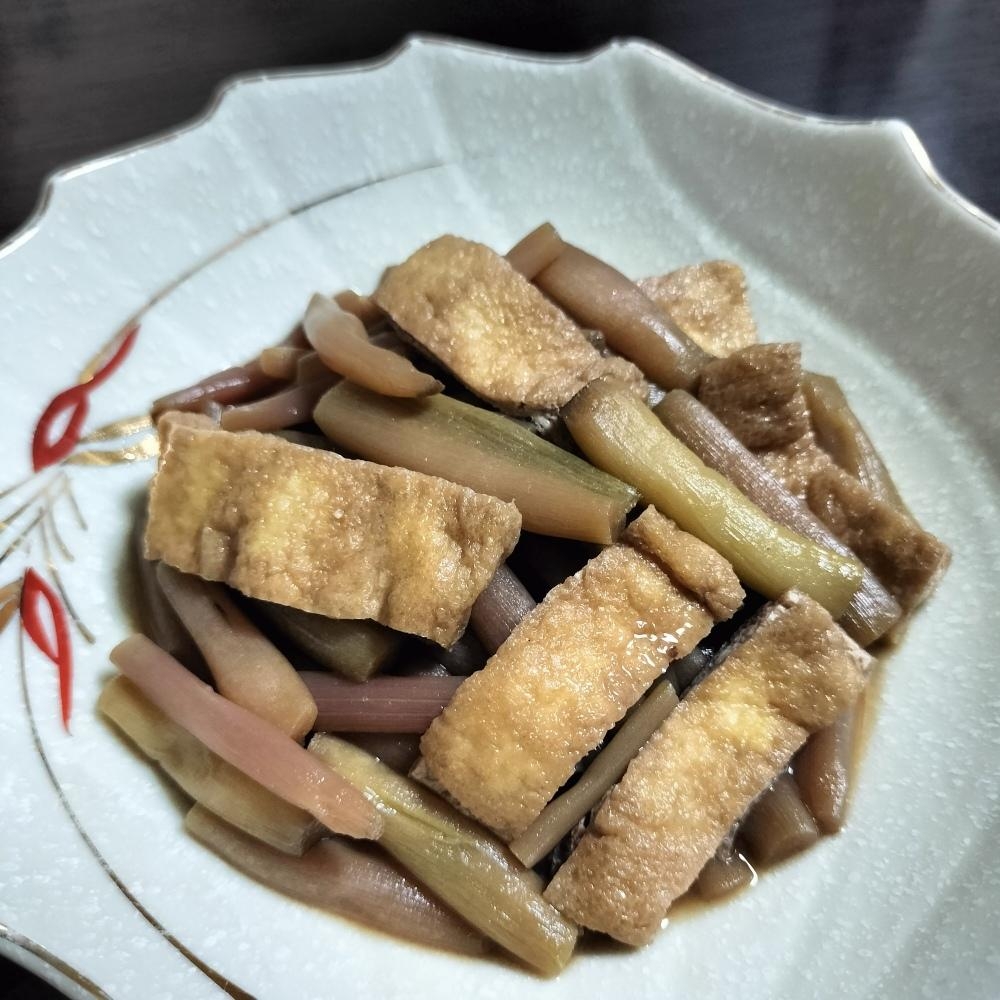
x=215 y=235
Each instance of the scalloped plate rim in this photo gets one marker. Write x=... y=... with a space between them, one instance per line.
x=890 y=127
x=900 y=139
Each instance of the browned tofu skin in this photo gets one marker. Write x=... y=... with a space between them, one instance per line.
x=757 y=393
x=795 y=463
x=166 y=423
x=309 y=529
x=718 y=750
x=907 y=560
x=709 y=303
x=514 y=731
x=691 y=563
x=466 y=306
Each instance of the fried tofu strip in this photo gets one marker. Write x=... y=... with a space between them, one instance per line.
x=793 y=672
x=314 y=531
x=709 y=303
x=466 y=306
x=795 y=463
x=757 y=393
x=907 y=560
x=514 y=731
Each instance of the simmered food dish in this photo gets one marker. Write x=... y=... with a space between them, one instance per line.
x=515 y=601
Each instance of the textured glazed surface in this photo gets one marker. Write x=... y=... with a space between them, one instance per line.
x=848 y=245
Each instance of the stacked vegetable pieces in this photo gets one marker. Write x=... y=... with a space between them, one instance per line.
x=750 y=468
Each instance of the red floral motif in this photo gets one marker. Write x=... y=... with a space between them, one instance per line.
x=76 y=399
x=51 y=633
x=55 y=645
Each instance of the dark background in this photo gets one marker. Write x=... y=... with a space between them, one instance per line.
x=80 y=76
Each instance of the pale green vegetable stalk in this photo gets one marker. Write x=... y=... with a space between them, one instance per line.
x=621 y=435
x=463 y=865
x=556 y=492
x=872 y=611
x=207 y=778
x=356 y=649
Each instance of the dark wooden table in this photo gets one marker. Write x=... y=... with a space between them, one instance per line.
x=80 y=76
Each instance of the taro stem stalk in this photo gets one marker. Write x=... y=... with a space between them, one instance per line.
x=257 y=748
x=726 y=872
x=203 y=775
x=354 y=648
x=499 y=608
x=872 y=610
x=536 y=251
x=381 y=705
x=823 y=771
x=463 y=865
x=603 y=299
x=621 y=435
x=361 y=885
x=566 y=810
x=247 y=668
x=778 y=825
x=839 y=432
x=556 y=492
x=290 y=406
x=233 y=385
x=341 y=340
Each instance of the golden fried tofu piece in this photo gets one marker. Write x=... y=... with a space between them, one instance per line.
x=691 y=563
x=709 y=303
x=757 y=393
x=466 y=306
x=792 y=673
x=906 y=560
x=795 y=463
x=311 y=530
x=515 y=730
x=166 y=422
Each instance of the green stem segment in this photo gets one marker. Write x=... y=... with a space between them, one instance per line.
x=556 y=492
x=872 y=610
x=566 y=810
x=463 y=865
x=354 y=648
x=621 y=435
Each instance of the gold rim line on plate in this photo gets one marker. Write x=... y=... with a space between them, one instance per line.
x=228 y=987
x=95 y=361
x=146 y=447
x=54 y=962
